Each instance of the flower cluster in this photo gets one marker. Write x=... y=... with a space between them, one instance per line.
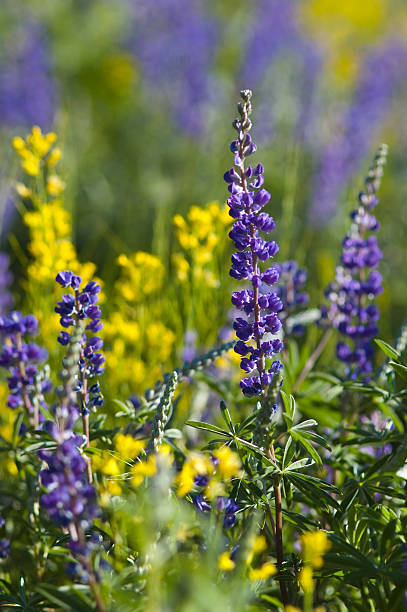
x=290 y=291
x=199 y=235
x=38 y=150
x=27 y=89
x=68 y=489
x=77 y=308
x=4 y=542
x=260 y=306
x=314 y=544
x=26 y=384
x=357 y=280
x=224 y=505
x=70 y=499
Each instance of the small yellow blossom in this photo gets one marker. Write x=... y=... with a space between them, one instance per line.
x=127 y=446
x=263 y=572
x=229 y=462
x=54 y=185
x=314 y=545
x=184 y=480
x=213 y=489
x=306 y=579
x=111 y=467
x=225 y=563
x=142 y=469
x=142 y=274
x=31 y=165
x=291 y=608
x=258 y=545
x=23 y=191
x=113 y=487
x=54 y=157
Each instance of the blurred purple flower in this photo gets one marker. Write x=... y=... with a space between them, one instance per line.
x=175 y=42
x=372 y=100
x=27 y=93
x=275 y=32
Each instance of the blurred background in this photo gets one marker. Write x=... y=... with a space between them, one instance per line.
x=142 y=94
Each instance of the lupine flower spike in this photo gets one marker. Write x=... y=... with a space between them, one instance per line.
x=27 y=384
x=260 y=307
x=70 y=500
x=358 y=281
x=74 y=309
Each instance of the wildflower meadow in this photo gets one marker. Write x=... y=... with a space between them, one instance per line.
x=203 y=320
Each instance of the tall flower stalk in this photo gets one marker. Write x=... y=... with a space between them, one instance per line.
x=73 y=310
x=27 y=385
x=70 y=500
x=357 y=280
x=259 y=305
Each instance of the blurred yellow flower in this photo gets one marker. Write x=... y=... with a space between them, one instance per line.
x=111 y=467
x=306 y=579
x=314 y=544
x=263 y=572
x=142 y=469
x=127 y=446
x=229 y=462
x=54 y=185
x=225 y=563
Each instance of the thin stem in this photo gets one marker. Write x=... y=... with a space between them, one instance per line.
x=94 y=587
x=313 y=358
x=279 y=529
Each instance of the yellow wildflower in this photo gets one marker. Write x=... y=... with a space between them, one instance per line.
x=142 y=469
x=127 y=446
x=314 y=545
x=54 y=157
x=54 y=185
x=181 y=267
x=23 y=191
x=291 y=608
x=213 y=489
x=306 y=579
x=143 y=274
x=229 y=462
x=113 y=487
x=111 y=467
x=31 y=165
x=263 y=572
x=225 y=563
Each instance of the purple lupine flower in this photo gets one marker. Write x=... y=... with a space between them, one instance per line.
x=26 y=383
x=357 y=281
x=73 y=308
x=247 y=199
x=70 y=500
x=175 y=42
x=27 y=92
x=276 y=34
x=224 y=505
x=6 y=278
x=290 y=291
x=4 y=548
x=380 y=75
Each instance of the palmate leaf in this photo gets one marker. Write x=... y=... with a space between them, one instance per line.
x=313 y=489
